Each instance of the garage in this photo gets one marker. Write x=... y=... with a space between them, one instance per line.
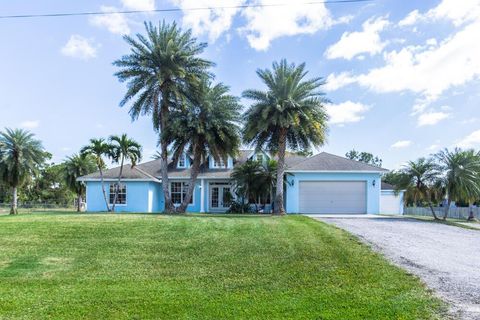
x=331 y=197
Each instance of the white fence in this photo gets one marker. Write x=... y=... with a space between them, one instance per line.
x=456 y=212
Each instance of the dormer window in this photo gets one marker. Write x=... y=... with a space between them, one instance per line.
x=182 y=161
x=218 y=164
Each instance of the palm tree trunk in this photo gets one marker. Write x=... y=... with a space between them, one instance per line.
x=117 y=185
x=445 y=215
x=103 y=187
x=13 y=208
x=79 y=202
x=194 y=171
x=433 y=211
x=282 y=145
x=169 y=208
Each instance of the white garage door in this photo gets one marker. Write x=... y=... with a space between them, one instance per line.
x=333 y=197
x=391 y=204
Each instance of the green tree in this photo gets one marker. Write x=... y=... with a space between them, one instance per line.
x=208 y=127
x=419 y=179
x=247 y=178
x=123 y=148
x=365 y=157
x=21 y=156
x=460 y=175
x=162 y=71
x=98 y=149
x=76 y=166
x=289 y=114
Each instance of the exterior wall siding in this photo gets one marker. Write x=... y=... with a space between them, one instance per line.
x=373 y=192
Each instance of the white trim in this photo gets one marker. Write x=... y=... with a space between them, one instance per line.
x=202 y=195
x=118 y=204
x=114 y=180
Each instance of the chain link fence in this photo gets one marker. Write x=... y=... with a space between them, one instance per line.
x=27 y=207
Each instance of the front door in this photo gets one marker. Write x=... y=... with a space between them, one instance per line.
x=220 y=197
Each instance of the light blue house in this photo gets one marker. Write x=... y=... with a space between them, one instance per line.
x=323 y=183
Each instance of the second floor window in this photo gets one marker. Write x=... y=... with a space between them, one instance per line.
x=182 y=162
x=219 y=164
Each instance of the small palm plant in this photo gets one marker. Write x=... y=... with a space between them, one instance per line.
x=208 y=126
x=21 y=156
x=420 y=181
x=248 y=183
x=460 y=174
x=290 y=113
x=98 y=149
x=76 y=166
x=123 y=148
x=161 y=70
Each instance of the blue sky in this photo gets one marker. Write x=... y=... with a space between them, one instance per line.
x=403 y=76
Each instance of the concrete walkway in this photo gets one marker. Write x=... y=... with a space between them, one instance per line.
x=446 y=258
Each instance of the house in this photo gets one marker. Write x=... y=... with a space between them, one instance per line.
x=323 y=183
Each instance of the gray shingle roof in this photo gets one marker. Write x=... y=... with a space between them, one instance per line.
x=151 y=170
x=329 y=162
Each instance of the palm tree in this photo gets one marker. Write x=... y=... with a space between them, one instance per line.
x=162 y=70
x=98 y=148
x=21 y=155
x=208 y=126
x=75 y=167
x=247 y=177
x=122 y=148
x=419 y=179
x=460 y=174
x=290 y=113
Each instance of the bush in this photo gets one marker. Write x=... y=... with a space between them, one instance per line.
x=240 y=207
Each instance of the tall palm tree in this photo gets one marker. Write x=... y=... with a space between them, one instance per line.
x=460 y=174
x=123 y=148
x=162 y=70
x=21 y=155
x=208 y=126
x=75 y=167
x=99 y=148
x=419 y=179
x=290 y=113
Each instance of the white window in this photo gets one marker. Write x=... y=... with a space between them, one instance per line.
x=178 y=191
x=218 y=164
x=122 y=194
x=182 y=161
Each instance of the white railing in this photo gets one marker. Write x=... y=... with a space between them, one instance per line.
x=455 y=212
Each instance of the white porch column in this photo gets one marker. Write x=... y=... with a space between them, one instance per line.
x=202 y=195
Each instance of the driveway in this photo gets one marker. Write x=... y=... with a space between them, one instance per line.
x=446 y=258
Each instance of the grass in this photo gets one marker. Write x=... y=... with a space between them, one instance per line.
x=471 y=225
x=100 y=266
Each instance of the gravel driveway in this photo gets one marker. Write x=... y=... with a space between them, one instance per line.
x=446 y=258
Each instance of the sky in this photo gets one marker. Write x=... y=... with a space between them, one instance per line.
x=403 y=77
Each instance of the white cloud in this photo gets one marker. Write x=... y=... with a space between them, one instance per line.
x=79 y=47
x=346 y=112
x=456 y=11
x=352 y=44
x=211 y=22
x=431 y=118
x=470 y=141
x=115 y=22
x=401 y=144
x=411 y=19
x=30 y=124
x=141 y=5
x=433 y=147
x=336 y=81
x=268 y=23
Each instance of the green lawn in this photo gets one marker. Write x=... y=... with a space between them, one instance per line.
x=70 y=266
